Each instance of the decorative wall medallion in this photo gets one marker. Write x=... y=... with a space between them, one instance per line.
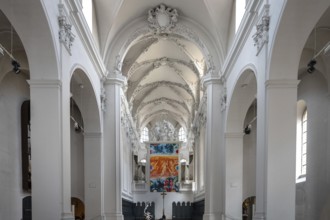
x=162 y=19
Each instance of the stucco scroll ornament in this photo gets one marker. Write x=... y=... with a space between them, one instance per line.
x=65 y=34
x=118 y=65
x=103 y=97
x=162 y=19
x=260 y=38
x=202 y=112
x=223 y=98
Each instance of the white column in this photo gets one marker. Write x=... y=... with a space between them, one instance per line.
x=234 y=175
x=93 y=161
x=112 y=152
x=214 y=150
x=49 y=146
x=281 y=141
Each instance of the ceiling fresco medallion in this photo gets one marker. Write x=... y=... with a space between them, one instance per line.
x=162 y=19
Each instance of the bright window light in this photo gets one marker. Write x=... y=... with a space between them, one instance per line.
x=239 y=12
x=144 y=135
x=182 y=135
x=88 y=12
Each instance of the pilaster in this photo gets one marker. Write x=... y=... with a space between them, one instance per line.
x=48 y=147
x=112 y=150
x=93 y=170
x=281 y=148
x=215 y=149
x=234 y=174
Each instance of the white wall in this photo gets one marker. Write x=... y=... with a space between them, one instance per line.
x=312 y=198
x=249 y=157
x=77 y=157
x=13 y=91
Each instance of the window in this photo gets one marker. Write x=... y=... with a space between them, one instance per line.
x=301 y=156
x=239 y=12
x=304 y=144
x=182 y=135
x=144 y=135
x=88 y=12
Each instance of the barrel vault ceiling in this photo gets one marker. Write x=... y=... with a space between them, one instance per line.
x=163 y=68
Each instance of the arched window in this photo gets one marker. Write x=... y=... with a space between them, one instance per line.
x=301 y=156
x=144 y=135
x=182 y=135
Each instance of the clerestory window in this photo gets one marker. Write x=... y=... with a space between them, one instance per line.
x=182 y=135
x=304 y=144
x=144 y=135
x=301 y=156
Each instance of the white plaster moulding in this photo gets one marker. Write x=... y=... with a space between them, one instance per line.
x=46 y=83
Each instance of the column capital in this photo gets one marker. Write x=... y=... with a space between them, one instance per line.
x=212 y=78
x=115 y=78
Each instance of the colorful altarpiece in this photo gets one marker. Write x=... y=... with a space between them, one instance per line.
x=164 y=166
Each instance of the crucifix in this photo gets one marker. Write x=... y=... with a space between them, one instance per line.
x=163 y=194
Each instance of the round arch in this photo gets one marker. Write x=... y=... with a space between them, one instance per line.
x=302 y=15
x=243 y=94
x=84 y=94
x=35 y=33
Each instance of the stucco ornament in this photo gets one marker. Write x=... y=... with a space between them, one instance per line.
x=162 y=19
x=66 y=36
x=163 y=131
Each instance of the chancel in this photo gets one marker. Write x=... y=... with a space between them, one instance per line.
x=176 y=110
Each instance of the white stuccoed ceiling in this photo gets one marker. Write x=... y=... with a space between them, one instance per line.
x=113 y=15
x=163 y=68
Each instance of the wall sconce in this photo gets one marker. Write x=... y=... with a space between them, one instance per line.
x=14 y=62
x=312 y=62
x=247 y=129
x=16 y=66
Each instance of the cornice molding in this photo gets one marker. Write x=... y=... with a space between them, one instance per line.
x=45 y=83
x=212 y=78
x=114 y=78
